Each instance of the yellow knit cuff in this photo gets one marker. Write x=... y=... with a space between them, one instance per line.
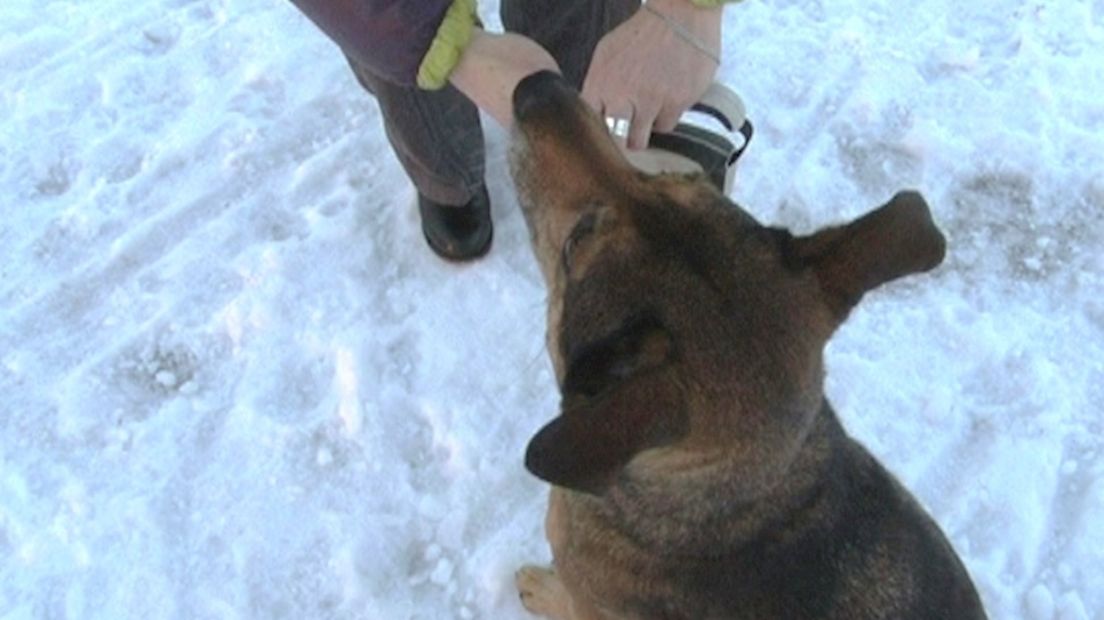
x=452 y=39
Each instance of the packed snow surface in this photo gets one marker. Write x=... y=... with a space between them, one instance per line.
x=236 y=384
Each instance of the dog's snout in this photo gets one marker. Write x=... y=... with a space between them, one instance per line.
x=540 y=95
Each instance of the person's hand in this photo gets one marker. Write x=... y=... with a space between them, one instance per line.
x=491 y=67
x=644 y=72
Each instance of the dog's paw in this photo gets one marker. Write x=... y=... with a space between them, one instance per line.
x=542 y=592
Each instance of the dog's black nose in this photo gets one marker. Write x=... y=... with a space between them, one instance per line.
x=541 y=94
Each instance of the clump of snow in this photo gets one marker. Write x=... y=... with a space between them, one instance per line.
x=237 y=384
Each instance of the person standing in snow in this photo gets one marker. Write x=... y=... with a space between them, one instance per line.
x=431 y=66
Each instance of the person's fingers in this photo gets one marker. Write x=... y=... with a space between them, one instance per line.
x=590 y=92
x=667 y=119
x=607 y=90
x=643 y=119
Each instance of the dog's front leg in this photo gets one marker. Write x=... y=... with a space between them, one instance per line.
x=543 y=593
x=541 y=589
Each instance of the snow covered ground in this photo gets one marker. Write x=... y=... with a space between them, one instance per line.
x=234 y=383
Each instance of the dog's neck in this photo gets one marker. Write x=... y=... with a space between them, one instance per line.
x=690 y=516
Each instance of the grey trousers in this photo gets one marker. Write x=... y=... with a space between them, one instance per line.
x=436 y=135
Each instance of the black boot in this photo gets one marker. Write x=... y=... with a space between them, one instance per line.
x=458 y=233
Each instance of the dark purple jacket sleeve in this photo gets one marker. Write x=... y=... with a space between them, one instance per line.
x=388 y=37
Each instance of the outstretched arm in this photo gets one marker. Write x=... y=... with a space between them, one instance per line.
x=491 y=67
x=429 y=43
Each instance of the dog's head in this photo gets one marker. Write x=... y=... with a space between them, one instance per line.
x=683 y=332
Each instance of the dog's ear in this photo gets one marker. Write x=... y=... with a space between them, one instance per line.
x=619 y=399
x=892 y=241
x=587 y=445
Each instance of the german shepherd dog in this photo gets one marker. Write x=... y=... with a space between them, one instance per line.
x=698 y=471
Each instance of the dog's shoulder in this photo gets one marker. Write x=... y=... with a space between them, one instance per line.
x=857 y=545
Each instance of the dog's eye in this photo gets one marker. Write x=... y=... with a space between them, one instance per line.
x=583 y=229
x=640 y=344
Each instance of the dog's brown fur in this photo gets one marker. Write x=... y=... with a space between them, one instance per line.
x=698 y=471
